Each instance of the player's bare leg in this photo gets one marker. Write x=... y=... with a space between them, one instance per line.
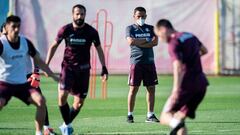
x=62 y=97
x=2 y=103
x=78 y=103
x=150 y=99
x=38 y=100
x=132 y=97
x=131 y=102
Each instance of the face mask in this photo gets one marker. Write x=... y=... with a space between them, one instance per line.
x=79 y=22
x=141 y=22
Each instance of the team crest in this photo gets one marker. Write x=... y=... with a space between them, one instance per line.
x=147 y=30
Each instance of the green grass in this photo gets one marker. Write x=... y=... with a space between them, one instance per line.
x=219 y=113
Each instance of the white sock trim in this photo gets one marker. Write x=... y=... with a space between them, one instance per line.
x=45 y=127
x=174 y=122
x=130 y=113
x=149 y=114
x=38 y=133
x=68 y=125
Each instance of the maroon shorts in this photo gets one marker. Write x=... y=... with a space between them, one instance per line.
x=20 y=91
x=142 y=72
x=186 y=101
x=75 y=81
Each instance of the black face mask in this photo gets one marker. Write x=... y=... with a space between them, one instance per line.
x=79 y=22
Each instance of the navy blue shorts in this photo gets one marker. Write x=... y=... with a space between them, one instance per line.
x=142 y=72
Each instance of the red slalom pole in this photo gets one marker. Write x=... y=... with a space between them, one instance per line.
x=107 y=44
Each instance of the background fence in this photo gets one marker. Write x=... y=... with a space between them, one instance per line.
x=230 y=36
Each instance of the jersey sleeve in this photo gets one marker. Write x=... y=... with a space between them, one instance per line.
x=174 y=51
x=60 y=35
x=31 y=49
x=128 y=32
x=96 y=39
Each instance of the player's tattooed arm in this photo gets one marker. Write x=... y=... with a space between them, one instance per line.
x=51 y=52
x=42 y=65
x=203 y=50
x=178 y=73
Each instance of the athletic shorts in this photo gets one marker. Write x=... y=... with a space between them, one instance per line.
x=142 y=72
x=75 y=81
x=185 y=101
x=20 y=91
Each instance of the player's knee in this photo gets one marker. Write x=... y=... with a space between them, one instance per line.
x=151 y=89
x=41 y=102
x=133 y=90
x=78 y=105
x=62 y=99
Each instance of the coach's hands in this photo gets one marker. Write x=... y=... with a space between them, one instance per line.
x=104 y=73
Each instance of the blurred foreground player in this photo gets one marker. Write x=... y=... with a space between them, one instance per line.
x=14 y=51
x=74 y=77
x=189 y=81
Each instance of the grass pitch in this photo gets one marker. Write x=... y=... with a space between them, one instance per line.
x=219 y=113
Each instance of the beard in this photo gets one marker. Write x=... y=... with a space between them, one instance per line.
x=79 y=22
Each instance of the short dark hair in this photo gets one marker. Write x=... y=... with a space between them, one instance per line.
x=2 y=26
x=13 y=18
x=79 y=6
x=140 y=9
x=164 y=23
